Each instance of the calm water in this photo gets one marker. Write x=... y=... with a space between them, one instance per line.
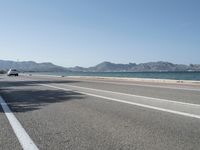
x=154 y=75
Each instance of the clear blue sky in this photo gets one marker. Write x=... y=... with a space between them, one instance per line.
x=87 y=32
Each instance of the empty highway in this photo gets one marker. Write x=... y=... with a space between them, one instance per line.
x=41 y=112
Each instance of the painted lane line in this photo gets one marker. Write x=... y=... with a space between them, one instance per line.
x=143 y=85
x=132 y=95
x=131 y=84
x=128 y=102
x=24 y=139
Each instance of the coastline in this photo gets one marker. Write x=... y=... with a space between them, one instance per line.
x=147 y=80
x=140 y=79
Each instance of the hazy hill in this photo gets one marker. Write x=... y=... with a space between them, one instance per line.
x=143 y=67
x=30 y=66
x=108 y=66
x=102 y=67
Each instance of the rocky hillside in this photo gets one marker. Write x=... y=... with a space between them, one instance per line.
x=30 y=66
x=143 y=67
x=102 y=67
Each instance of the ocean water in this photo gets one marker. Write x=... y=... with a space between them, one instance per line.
x=153 y=75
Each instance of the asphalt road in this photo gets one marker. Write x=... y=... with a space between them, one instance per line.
x=72 y=113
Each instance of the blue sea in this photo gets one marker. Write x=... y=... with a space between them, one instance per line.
x=153 y=75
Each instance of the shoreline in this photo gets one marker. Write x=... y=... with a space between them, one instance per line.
x=140 y=79
x=148 y=80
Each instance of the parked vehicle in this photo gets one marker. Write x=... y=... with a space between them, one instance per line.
x=13 y=72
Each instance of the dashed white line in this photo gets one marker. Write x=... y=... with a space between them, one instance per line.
x=131 y=103
x=24 y=139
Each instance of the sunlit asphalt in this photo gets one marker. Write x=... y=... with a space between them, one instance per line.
x=73 y=113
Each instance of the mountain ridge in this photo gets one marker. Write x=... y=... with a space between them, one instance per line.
x=30 y=66
x=159 y=66
x=106 y=66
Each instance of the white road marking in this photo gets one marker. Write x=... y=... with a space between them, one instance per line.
x=143 y=85
x=24 y=139
x=128 y=102
x=132 y=84
x=138 y=96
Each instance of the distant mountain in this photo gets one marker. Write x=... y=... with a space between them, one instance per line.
x=108 y=66
x=159 y=66
x=78 y=69
x=30 y=66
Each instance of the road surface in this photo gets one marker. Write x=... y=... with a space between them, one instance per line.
x=80 y=114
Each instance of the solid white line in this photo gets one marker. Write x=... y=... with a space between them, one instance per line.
x=138 y=96
x=132 y=84
x=131 y=103
x=143 y=85
x=24 y=139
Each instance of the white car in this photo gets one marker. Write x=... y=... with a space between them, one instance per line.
x=13 y=72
